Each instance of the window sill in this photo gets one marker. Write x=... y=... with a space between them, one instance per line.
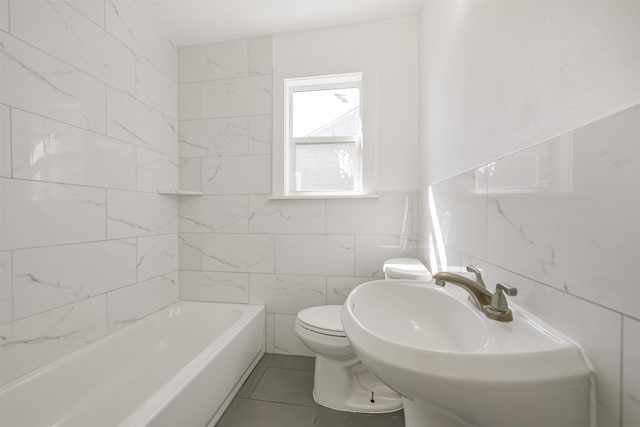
x=327 y=197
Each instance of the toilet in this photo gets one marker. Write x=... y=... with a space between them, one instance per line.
x=341 y=381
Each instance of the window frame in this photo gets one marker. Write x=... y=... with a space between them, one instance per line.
x=317 y=83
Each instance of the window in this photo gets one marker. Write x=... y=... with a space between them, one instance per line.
x=323 y=136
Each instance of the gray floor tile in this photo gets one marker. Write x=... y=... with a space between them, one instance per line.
x=285 y=386
x=254 y=413
x=278 y=393
x=287 y=361
x=326 y=417
x=251 y=381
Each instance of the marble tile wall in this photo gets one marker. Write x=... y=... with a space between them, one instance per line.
x=88 y=133
x=236 y=244
x=560 y=221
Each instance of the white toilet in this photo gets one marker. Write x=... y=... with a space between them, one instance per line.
x=341 y=381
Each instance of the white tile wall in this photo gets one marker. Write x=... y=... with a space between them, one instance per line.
x=287 y=294
x=237 y=252
x=260 y=52
x=215 y=61
x=37 y=340
x=133 y=28
x=282 y=216
x=131 y=214
x=214 y=137
x=156 y=89
x=46 y=150
x=94 y=9
x=157 y=255
x=269 y=333
x=5 y=141
x=460 y=204
x=595 y=209
x=40 y=214
x=339 y=287
x=372 y=251
x=60 y=30
x=134 y=302
x=134 y=121
x=214 y=286
x=315 y=254
x=189 y=101
x=156 y=171
x=88 y=133
x=391 y=214
x=236 y=175
x=559 y=221
x=190 y=173
x=6 y=289
x=214 y=214
x=294 y=253
x=190 y=251
x=45 y=278
x=247 y=96
x=4 y=15
x=285 y=340
x=260 y=135
x=34 y=81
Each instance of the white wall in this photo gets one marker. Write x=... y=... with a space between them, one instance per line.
x=499 y=76
x=386 y=54
x=237 y=245
x=533 y=175
x=88 y=133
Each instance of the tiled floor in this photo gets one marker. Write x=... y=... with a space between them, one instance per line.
x=278 y=393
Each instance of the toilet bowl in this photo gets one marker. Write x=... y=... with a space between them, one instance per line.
x=341 y=381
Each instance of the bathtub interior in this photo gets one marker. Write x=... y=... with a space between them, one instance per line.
x=106 y=381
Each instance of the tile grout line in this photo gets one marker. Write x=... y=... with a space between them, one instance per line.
x=621 y=384
x=257 y=382
x=13 y=298
x=279 y=403
x=11 y=140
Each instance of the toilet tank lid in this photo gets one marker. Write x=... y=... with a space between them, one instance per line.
x=325 y=317
x=406 y=268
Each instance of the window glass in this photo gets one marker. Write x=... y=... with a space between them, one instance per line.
x=329 y=112
x=325 y=167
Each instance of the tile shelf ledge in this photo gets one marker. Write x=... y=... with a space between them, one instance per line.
x=180 y=192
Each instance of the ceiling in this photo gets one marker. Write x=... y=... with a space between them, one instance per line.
x=190 y=22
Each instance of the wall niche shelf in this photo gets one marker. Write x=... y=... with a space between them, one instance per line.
x=180 y=192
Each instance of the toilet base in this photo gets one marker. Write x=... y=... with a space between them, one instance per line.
x=346 y=385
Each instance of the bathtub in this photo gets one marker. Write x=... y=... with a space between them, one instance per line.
x=179 y=367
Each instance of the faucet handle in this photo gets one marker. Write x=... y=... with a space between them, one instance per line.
x=475 y=270
x=499 y=308
x=506 y=289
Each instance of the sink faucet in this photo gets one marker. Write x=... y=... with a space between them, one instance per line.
x=494 y=306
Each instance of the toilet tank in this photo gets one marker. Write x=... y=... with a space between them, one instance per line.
x=405 y=268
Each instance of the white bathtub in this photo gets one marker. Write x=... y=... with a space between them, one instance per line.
x=179 y=367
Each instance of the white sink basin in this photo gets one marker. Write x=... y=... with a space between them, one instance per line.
x=456 y=367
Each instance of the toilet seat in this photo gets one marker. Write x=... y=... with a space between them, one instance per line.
x=323 y=320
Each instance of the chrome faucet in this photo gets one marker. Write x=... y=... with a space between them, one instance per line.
x=494 y=306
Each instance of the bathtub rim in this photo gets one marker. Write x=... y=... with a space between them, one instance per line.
x=154 y=404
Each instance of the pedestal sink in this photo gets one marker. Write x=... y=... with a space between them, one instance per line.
x=456 y=367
